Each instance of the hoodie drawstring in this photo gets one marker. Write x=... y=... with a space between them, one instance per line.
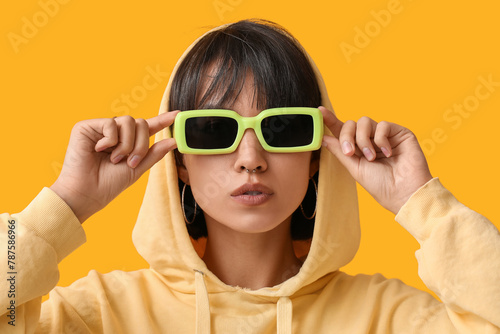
x=202 y=304
x=283 y=308
x=284 y=315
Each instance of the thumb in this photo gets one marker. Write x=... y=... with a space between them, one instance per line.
x=155 y=154
x=350 y=162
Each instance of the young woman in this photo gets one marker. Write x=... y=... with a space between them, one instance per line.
x=246 y=224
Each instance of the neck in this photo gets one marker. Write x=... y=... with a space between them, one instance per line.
x=251 y=260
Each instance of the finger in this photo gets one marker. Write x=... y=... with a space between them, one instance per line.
x=141 y=144
x=365 y=130
x=331 y=121
x=155 y=154
x=347 y=137
x=381 y=137
x=334 y=146
x=109 y=132
x=161 y=121
x=126 y=138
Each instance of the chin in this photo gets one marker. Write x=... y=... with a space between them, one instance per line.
x=253 y=224
x=253 y=229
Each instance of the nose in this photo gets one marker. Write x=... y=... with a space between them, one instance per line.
x=250 y=155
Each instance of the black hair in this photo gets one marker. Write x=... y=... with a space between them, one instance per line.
x=283 y=77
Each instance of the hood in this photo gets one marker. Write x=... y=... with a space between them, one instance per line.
x=161 y=237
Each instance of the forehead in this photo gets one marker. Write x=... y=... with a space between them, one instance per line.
x=243 y=94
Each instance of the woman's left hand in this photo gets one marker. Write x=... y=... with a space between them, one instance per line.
x=385 y=158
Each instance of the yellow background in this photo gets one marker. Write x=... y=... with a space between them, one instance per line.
x=86 y=54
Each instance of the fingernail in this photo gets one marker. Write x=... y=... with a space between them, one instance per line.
x=368 y=153
x=346 y=147
x=324 y=144
x=117 y=159
x=134 y=161
x=385 y=151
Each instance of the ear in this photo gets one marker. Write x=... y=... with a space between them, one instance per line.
x=182 y=171
x=183 y=174
x=314 y=165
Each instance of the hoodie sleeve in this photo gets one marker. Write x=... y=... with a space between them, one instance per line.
x=459 y=259
x=32 y=243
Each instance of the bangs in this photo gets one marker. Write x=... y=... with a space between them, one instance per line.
x=214 y=72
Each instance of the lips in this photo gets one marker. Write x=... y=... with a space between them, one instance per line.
x=252 y=194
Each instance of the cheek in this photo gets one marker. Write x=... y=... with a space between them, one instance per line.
x=292 y=176
x=208 y=177
x=200 y=166
x=292 y=164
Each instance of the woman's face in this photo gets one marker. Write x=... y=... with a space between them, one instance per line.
x=249 y=202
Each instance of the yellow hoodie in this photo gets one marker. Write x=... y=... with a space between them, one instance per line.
x=459 y=260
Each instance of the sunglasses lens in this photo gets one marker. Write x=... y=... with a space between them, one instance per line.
x=210 y=132
x=288 y=130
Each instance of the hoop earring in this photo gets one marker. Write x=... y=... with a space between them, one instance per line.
x=182 y=205
x=302 y=209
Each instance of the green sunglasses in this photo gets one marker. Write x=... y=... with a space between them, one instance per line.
x=219 y=131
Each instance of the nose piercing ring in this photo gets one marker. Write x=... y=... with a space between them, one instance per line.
x=253 y=170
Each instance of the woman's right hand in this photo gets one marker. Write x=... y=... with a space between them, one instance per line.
x=105 y=157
